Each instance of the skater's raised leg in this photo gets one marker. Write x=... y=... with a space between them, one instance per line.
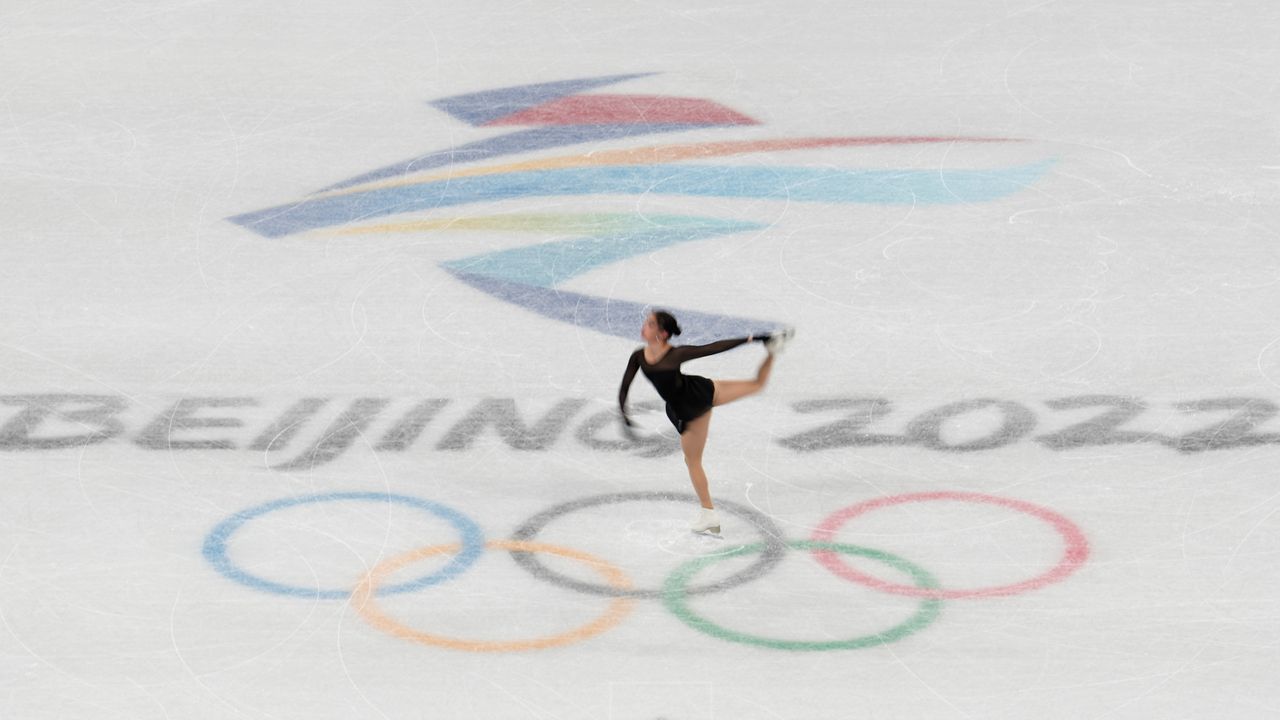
x=729 y=390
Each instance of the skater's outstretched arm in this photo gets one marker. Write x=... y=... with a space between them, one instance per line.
x=690 y=352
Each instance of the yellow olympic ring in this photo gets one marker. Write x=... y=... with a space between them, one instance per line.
x=364 y=599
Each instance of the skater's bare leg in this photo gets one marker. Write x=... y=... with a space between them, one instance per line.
x=728 y=391
x=693 y=441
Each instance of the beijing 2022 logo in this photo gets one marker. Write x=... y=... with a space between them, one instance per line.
x=565 y=113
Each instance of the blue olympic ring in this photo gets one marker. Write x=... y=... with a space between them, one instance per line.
x=215 y=544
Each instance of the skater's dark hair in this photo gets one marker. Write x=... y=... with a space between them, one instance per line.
x=667 y=322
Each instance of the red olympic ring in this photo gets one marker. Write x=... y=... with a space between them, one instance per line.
x=1073 y=556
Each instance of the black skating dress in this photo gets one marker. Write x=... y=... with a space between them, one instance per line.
x=688 y=396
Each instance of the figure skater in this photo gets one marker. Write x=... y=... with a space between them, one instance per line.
x=690 y=397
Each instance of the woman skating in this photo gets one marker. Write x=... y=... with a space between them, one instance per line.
x=690 y=398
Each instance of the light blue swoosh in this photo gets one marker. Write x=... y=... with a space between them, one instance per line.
x=547 y=264
x=776 y=183
x=527 y=276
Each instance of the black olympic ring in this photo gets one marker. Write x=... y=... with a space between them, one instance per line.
x=774 y=546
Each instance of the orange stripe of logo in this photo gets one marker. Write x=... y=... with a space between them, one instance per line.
x=658 y=154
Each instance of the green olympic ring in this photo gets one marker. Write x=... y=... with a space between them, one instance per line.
x=675 y=597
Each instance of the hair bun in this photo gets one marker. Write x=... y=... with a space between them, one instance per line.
x=667 y=322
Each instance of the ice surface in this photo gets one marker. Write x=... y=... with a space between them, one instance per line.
x=1036 y=352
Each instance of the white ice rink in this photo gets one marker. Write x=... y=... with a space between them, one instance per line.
x=312 y=318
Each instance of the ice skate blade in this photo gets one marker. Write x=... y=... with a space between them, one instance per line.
x=777 y=342
x=713 y=531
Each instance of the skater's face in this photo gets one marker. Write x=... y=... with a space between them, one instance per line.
x=651 y=332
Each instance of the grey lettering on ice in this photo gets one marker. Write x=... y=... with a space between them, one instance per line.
x=1234 y=431
x=159 y=435
x=57 y=421
x=927 y=429
x=1102 y=429
x=846 y=432
x=648 y=445
x=351 y=424
x=99 y=420
x=501 y=414
x=285 y=427
x=409 y=429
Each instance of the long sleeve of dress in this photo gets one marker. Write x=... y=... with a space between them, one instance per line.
x=690 y=352
x=633 y=366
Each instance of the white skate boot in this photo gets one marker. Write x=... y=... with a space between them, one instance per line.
x=707 y=522
x=778 y=340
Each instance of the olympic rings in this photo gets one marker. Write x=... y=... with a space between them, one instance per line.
x=1073 y=556
x=773 y=545
x=674 y=596
x=617 y=610
x=676 y=590
x=215 y=544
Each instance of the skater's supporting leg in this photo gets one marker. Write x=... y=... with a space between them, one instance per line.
x=692 y=441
